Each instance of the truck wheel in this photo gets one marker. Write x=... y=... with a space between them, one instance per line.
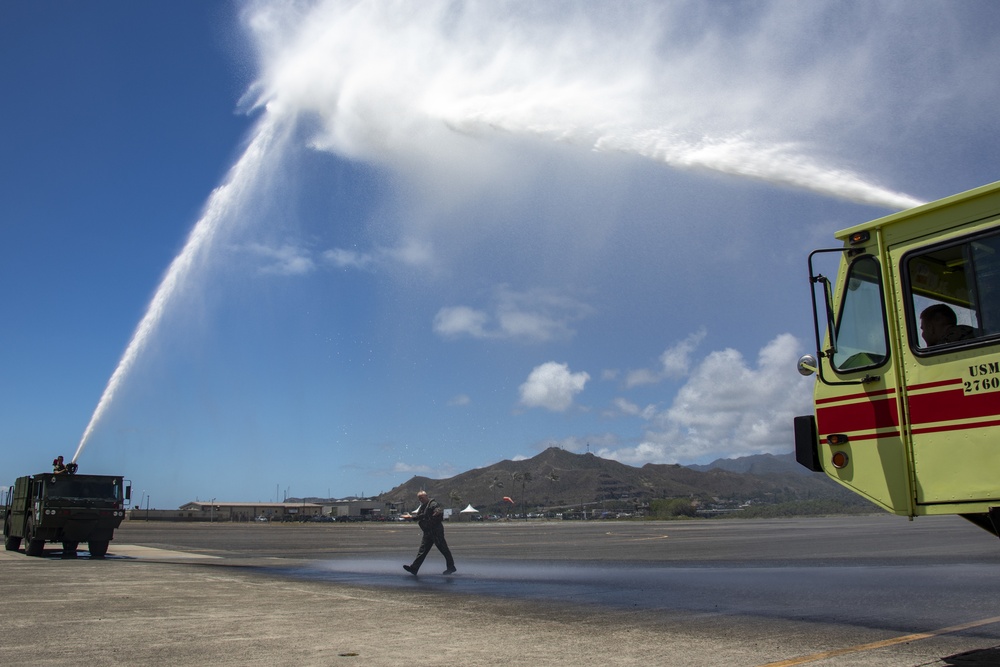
x=98 y=549
x=69 y=549
x=10 y=543
x=32 y=545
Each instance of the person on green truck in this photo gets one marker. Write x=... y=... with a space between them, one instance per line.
x=58 y=467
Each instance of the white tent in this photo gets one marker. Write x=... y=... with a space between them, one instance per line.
x=468 y=514
x=470 y=510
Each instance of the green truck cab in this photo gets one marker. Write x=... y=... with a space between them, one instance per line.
x=64 y=507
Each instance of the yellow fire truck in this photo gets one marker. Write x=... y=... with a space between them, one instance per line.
x=907 y=397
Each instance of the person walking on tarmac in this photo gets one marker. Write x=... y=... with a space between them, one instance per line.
x=430 y=517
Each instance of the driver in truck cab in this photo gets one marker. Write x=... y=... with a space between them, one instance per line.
x=939 y=325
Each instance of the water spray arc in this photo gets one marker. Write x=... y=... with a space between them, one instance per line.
x=379 y=87
x=241 y=176
x=782 y=164
x=488 y=73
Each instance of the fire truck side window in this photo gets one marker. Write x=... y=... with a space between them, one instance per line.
x=985 y=254
x=861 y=330
x=955 y=293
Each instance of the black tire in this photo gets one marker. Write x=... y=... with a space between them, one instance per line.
x=32 y=545
x=98 y=548
x=69 y=549
x=10 y=542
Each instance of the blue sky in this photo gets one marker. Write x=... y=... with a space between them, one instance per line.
x=272 y=249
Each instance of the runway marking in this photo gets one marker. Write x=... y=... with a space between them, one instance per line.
x=138 y=552
x=119 y=551
x=881 y=644
x=639 y=539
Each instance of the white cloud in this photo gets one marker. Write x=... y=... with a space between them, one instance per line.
x=675 y=362
x=459 y=400
x=348 y=259
x=412 y=469
x=535 y=315
x=640 y=377
x=459 y=321
x=286 y=260
x=410 y=252
x=552 y=386
x=728 y=408
x=441 y=472
x=626 y=407
x=290 y=259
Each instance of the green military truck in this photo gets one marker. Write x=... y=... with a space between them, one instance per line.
x=64 y=507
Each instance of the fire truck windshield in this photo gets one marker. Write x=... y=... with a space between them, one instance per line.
x=861 y=339
x=70 y=487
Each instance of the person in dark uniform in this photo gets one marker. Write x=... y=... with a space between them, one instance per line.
x=58 y=467
x=430 y=517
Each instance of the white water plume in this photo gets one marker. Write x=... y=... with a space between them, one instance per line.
x=220 y=203
x=410 y=84
x=384 y=78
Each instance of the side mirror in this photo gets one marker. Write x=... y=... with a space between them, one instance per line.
x=807 y=364
x=128 y=492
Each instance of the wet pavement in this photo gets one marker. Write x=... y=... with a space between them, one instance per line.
x=840 y=591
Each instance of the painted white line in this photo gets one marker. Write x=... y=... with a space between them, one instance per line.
x=136 y=551
x=881 y=644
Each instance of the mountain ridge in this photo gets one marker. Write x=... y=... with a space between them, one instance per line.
x=556 y=478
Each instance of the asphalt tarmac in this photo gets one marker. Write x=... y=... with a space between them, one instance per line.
x=863 y=591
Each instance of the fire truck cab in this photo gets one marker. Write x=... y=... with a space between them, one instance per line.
x=64 y=507
x=907 y=393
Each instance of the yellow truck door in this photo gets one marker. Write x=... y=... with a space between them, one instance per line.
x=948 y=295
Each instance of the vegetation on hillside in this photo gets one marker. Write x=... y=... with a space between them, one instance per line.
x=557 y=482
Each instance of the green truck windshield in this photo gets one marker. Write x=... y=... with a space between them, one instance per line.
x=68 y=487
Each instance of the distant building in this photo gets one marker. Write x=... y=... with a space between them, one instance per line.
x=375 y=510
x=225 y=511
x=348 y=509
